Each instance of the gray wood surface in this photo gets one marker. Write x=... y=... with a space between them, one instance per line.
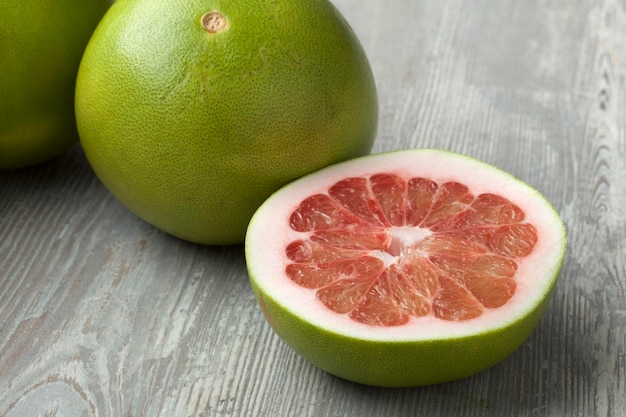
x=103 y=315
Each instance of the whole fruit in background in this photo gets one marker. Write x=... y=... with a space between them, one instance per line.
x=407 y=268
x=41 y=43
x=193 y=113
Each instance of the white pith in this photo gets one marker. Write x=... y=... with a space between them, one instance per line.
x=267 y=239
x=404 y=239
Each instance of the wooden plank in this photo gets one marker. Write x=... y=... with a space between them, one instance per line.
x=103 y=315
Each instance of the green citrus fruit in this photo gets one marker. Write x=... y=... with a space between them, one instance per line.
x=41 y=43
x=192 y=113
x=407 y=268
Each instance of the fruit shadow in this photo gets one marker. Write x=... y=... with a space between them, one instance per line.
x=67 y=187
x=469 y=396
x=534 y=380
x=50 y=178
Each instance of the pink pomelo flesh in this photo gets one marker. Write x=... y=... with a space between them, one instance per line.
x=385 y=248
x=412 y=248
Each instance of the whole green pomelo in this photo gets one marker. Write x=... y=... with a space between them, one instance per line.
x=41 y=44
x=193 y=113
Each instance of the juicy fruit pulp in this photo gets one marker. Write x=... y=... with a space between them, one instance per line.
x=384 y=248
x=41 y=43
x=406 y=268
x=192 y=116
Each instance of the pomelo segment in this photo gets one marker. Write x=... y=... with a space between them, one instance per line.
x=405 y=268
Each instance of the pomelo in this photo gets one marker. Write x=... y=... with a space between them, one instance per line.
x=41 y=44
x=192 y=113
x=405 y=268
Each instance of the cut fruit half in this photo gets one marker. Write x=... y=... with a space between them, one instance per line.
x=405 y=268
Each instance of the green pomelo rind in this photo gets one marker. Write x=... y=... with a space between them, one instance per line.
x=400 y=363
x=285 y=90
x=41 y=44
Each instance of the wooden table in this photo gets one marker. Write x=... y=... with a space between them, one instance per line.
x=103 y=315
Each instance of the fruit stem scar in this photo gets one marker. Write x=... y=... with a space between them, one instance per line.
x=213 y=22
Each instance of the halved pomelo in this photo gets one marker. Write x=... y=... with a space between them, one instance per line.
x=405 y=268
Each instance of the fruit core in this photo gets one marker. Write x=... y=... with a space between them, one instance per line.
x=386 y=249
x=213 y=22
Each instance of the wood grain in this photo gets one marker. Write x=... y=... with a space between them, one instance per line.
x=103 y=315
